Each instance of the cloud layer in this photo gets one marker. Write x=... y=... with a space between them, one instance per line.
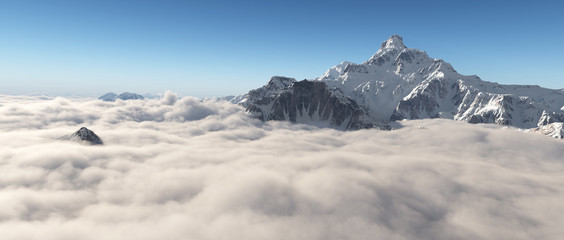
x=191 y=169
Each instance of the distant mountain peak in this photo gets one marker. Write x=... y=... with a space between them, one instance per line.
x=110 y=97
x=395 y=41
x=130 y=96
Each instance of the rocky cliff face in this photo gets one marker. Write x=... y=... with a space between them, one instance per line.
x=311 y=102
x=404 y=83
x=550 y=117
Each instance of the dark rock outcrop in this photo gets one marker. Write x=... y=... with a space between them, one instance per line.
x=84 y=136
x=310 y=102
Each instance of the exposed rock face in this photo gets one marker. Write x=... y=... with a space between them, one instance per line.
x=110 y=97
x=550 y=117
x=311 y=102
x=84 y=136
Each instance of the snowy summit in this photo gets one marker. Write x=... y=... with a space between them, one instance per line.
x=398 y=83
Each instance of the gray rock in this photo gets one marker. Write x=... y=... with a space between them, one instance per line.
x=311 y=102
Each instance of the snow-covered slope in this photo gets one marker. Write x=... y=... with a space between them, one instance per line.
x=398 y=82
x=555 y=130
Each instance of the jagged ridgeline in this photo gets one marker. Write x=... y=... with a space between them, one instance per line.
x=403 y=83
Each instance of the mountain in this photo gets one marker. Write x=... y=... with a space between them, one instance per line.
x=398 y=83
x=110 y=97
x=84 y=136
x=130 y=96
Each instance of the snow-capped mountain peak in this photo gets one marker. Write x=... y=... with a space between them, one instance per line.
x=394 y=41
x=394 y=53
x=404 y=83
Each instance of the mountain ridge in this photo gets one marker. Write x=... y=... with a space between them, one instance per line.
x=398 y=83
x=111 y=96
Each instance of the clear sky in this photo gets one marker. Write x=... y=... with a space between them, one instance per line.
x=217 y=48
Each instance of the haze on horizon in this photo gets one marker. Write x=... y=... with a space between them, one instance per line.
x=218 y=48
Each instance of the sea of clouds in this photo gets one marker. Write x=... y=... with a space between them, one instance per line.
x=185 y=168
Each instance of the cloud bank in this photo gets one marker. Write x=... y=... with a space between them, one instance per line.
x=191 y=169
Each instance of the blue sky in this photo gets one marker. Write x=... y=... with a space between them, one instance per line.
x=217 y=48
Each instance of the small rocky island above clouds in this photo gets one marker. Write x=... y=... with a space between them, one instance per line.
x=399 y=83
x=83 y=136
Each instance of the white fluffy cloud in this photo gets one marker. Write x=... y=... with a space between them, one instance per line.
x=191 y=169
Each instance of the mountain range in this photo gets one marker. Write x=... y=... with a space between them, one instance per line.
x=399 y=83
x=111 y=97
